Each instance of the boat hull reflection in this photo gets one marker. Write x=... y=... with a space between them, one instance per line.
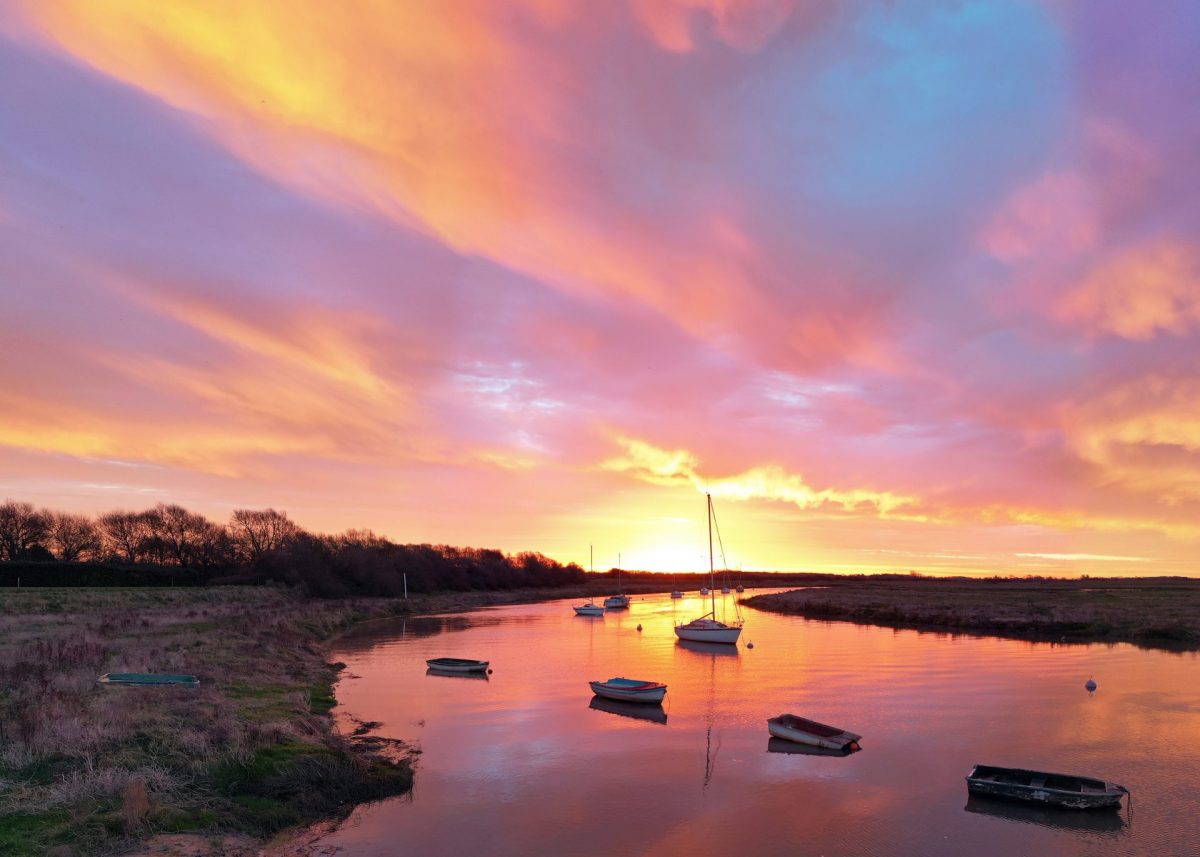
x=634 y=710
x=1042 y=816
x=779 y=745
x=707 y=648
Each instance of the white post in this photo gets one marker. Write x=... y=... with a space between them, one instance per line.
x=406 y=585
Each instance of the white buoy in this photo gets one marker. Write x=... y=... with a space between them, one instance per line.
x=1090 y=684
x=750 y=645
x=639 y=626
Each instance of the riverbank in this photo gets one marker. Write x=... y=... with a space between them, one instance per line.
x=1149 y=612
x=251 y=752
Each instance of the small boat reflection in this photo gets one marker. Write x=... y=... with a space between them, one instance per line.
x=779 y=745
x=477 y=676
x=707 y=648
x=1022 y=813
x=638 y=711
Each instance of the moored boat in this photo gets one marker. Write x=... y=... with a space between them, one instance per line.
x=706 y=628
x=675 y=593
x=589 y=609
x=704 y=590
x=457 y=665
x=474 y=676
x=741 y=588
x=805 y=731
x=616 y=602
x=629 y=690
x=1043 y=787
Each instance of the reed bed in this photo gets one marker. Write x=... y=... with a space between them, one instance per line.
x=1153 y=613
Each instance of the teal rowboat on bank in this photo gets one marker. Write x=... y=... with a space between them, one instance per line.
x=149 y=679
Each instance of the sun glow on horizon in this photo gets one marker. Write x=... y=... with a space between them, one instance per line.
x=903 y=288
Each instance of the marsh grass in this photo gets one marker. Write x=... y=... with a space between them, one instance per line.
x=253 y=749
x=1152 y=613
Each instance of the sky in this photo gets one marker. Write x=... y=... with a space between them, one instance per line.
x=904 y=285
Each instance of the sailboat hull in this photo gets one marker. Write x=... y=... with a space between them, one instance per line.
x=708 y=635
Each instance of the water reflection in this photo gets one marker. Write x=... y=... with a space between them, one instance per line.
x=1094 y=821
x=633 y=710
x=707 y=648
x=477 y=676
x=515 y=766
x=779 y=745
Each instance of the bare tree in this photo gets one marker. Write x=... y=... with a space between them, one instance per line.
x=73 y=537
x=181 y=532
x=213 y=547
x=153 y=546
x=21 y=528
x=123 y=533
x=259 y=531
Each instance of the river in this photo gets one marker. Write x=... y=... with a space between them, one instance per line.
x=523 y=763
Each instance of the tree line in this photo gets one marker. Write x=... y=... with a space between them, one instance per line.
x=261 y=545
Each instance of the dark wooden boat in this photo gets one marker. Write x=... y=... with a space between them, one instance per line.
x=1042 y=787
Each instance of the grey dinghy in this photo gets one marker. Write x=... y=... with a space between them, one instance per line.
x=1065 y=790
x=457 y=665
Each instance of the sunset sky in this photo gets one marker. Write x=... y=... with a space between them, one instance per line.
x=905 y=285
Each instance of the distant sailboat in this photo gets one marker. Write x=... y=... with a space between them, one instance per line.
x=619 y=601
x=706 y=628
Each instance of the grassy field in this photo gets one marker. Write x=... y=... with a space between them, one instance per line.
x=252 y=751
x=1154 y=612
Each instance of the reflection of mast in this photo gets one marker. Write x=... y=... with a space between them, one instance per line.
x=710 y=761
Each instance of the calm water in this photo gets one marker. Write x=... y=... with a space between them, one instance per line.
x=522 y=764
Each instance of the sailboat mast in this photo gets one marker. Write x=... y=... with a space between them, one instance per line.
x=711 y=574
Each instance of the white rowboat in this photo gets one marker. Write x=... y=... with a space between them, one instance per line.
x=805 y=731
x=630 y=690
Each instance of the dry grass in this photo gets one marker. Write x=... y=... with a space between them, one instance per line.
x=1155 y=613
x=78 y=759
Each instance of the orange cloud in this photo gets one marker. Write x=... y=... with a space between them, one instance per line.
x=1143 y=435
x=451 y=119
x=667 y=467
x=1138 y=293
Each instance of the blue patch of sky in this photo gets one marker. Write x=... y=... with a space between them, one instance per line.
x=908 y=117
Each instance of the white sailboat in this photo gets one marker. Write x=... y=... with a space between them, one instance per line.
x=706 y=628
x=619 y=601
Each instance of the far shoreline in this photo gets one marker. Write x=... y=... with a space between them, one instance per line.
x=1155 y=613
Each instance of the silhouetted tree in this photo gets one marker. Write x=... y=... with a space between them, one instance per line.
x=22 y=527
x=73 y=537
x=122 y=534
x=256 y=532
